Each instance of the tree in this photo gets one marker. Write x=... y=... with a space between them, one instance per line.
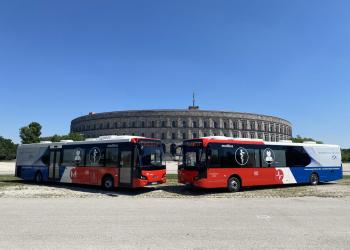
x=300 y=139
x=345 y=155
x=7 y=149
x=31 y=133
x=57 y=138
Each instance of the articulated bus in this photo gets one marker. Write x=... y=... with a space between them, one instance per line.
x=109 y=161
x=232 y=163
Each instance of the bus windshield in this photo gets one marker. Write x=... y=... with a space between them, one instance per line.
x=151 y=155
x=193 y=156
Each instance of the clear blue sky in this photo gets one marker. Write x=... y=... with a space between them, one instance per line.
x=62 y=59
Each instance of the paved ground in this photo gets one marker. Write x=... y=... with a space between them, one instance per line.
x=7 y=167
x=126 y=223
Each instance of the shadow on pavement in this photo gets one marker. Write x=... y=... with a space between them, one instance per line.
x=178 y=189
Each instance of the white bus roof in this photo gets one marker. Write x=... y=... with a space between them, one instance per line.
x=280 y=143
x=101 y=139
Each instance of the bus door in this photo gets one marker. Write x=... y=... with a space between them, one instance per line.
x=125 y=167
x=54 y=169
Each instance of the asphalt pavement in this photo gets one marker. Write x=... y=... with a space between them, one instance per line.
x=129 y=223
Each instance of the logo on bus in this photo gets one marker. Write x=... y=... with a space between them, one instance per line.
x=279 y=174
x=77 y=155
x=95 y=155
x=241 y=156
x=73 y=173
x=269 y=156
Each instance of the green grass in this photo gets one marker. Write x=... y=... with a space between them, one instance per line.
x=171 y=179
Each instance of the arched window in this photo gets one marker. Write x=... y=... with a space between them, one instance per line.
x=173 y=124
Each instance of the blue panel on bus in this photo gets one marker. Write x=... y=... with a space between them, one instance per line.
x=302 y=174
x=28 y=172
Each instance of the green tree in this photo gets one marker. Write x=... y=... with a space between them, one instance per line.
x=57 y=138
x=300 y=139
x=7 y=149
x=30 y=133
x=345 y=155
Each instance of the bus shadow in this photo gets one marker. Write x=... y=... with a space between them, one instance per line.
x=89 y=189
x=195 y=191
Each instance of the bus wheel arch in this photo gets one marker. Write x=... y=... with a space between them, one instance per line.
x=107 y=182
x=38 y=177
x=234 y=183
x=314 y=179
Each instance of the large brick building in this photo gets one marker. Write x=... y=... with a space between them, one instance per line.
x=175 y=125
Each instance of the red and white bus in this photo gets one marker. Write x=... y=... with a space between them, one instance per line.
x=109 y=161
x=232 y=163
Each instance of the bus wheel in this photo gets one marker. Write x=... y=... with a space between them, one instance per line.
x=314 y=179
x=107 y=183
x=233 y=184
x=38 y=178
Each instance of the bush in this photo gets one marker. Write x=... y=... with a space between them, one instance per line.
x=7 y=149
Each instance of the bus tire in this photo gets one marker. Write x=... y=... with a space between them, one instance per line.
x=38 y=178
x=107 y=182
x=314 y=179
x=233 y=184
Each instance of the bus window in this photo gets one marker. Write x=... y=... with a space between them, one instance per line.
x=213 y=156
x=151 y=156
x=46 y=157
x=297 y=157
x=73 y=157
x=112 y=157
x=95 y=157
x=227 y=156
x=125 y=159
x=252 y=163
x=273 y=157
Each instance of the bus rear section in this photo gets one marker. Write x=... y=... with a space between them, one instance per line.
x=219 y=162
x=109 y=161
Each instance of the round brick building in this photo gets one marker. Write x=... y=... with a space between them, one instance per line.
x=172 y=126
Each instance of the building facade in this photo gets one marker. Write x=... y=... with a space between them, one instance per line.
x=174 y=126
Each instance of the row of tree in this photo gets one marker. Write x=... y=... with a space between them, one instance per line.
x=31 y=134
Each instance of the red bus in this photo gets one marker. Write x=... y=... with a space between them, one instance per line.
x=224 y=162
x=109 y=161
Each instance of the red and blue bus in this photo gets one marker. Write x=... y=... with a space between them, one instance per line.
x=108 y=161
x=232 y=163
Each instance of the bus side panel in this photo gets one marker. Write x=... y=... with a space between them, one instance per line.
x=218 y=177
x=87 y=175
x=302 y=174
x=27 y=173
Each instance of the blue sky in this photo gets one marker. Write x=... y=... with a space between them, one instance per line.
x=62 y=59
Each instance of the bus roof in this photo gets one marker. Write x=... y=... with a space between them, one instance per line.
x=101 y=139
x=232 y=140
